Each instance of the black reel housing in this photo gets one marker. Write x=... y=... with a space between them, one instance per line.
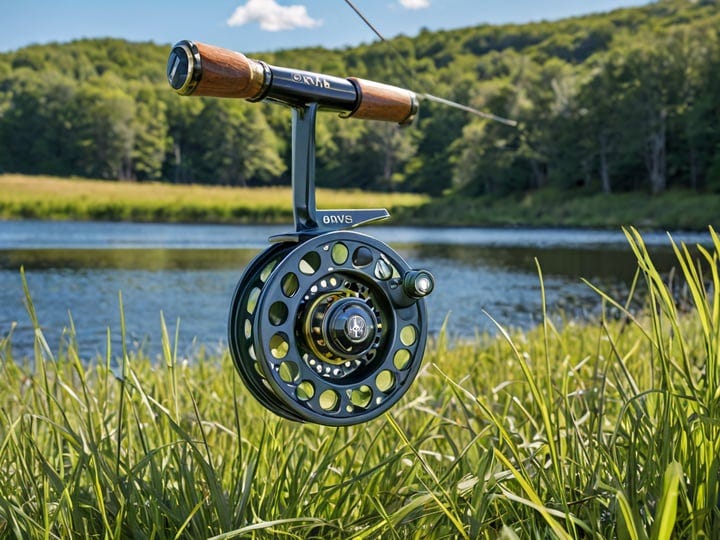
x=327 y=325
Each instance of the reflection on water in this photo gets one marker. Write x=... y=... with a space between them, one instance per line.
x=590 y=263
x=153 y=259
x=189 y=272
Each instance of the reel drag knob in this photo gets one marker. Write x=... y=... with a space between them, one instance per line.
x=418 y=283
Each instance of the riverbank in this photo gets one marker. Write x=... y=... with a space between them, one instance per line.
x=673 y=210
x=601 y=430
x=40 y=197
x=44 y=197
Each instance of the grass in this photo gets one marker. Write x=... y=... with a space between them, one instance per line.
x=606 y=430
x=41 y=197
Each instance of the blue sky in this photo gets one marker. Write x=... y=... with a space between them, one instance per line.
x=264 y=25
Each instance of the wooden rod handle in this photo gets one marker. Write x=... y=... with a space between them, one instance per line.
x=378 y=101
x=198 y=69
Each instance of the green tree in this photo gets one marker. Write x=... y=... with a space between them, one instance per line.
x=35 y=119
x=234 y=145
x=181 y=114
x=151 y=136
x=600 y=129
x=102 y=130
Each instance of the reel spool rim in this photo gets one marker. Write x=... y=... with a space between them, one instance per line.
x=242 y=360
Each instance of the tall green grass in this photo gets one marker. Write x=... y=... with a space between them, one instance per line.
x=46 y=197
x=601 y=430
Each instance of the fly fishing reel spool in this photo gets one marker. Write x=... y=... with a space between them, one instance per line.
x=326 y=325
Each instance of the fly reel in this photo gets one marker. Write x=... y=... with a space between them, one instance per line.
x=326 y=325
x=330 y=330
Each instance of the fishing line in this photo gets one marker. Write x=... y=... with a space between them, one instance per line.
x=429 y=97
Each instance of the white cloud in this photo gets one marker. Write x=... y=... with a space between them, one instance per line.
x=415 y=4
x=272 y=16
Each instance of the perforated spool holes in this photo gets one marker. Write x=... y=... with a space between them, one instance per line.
x=329 y=400
x=258 y=370
x=383 y=271
x=408 y=335
x=265 y=273
x=252 y=300
x=305 y=391
x=279 y=346
x=339 y=253
x=401 y=359
x=289 y=284
x=362 y=396
x=278 y=313
x=385 y=381
x=288 y=371
x=362 y=256
x=310 y=263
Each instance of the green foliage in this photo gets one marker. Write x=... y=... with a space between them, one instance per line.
x=623 y=101
x=605 y=430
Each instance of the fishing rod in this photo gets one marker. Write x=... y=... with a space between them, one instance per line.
x=425 y=95
x=326 y=325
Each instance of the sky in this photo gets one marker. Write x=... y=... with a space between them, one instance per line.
x=265 y=25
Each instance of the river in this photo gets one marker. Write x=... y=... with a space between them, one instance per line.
x=189 y=272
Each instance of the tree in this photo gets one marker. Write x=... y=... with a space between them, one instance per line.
x=234 y=145
x=652 y=82
x=102 y=130
x=392 y=147
x=35 y=116
x=181 y=114
x=696 y=52
x=151 y=136
x=601 y=127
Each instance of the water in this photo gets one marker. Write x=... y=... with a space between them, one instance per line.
x=189 y=273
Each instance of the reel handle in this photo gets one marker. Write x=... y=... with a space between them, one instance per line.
x=199 y=69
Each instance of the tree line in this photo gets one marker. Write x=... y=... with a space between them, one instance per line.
x=626 y=100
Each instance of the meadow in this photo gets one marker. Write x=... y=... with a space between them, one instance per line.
x=53 y=198
x=47 y=197
x=601 y=430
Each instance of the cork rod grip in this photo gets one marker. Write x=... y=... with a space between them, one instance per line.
x=377 y=101
x=198 y=69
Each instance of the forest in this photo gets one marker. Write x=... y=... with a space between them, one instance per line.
x=614 y=102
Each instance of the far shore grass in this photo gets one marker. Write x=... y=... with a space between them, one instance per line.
x=45 y=197
x=51 y=198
